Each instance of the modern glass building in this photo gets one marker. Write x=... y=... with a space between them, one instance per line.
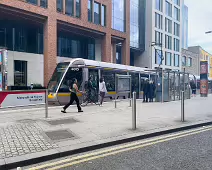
x=185 y=27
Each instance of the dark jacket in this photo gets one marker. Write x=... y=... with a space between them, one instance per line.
x=146 y=87
x=151 y=90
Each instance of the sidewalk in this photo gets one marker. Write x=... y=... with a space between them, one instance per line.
x=25 y=134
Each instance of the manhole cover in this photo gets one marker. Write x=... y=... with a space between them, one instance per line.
x=59 y=135
x=62 y=121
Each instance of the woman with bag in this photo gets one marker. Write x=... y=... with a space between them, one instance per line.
x=103 y=90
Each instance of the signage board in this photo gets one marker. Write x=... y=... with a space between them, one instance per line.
x=203 y=86
x=17 y=98
x=203 y=67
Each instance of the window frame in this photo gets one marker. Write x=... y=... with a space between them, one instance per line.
x=170 y=58
x=190 y=61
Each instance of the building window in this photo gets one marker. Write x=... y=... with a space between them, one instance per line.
x=134 y=24
x=168 y=42
x=168 y=59
x=158 y=37
x=176 y=13
x=90 y=11
x=176 y=29
x=168 y=25
x=158 y=5
x=60 y=5
x=35 y=2
x=184 y=61
x=96 y=13
x=21 y=39
x=118 y=15
x=75 y=46
x=78 y=8
x=20 y=73
x=158 y=56
x=69 y=7
x=158 y=21
x=103 y=15
x=168 y=9
x=177 y=2
x=3 y=37
x=189 y=61
x=176 y=45
x=176 y=60
x=44 y=3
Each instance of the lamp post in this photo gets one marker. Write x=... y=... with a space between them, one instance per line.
x=153 y=44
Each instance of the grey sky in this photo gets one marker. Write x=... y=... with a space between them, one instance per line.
x=200 y=21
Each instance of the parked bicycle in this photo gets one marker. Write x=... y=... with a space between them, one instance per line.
x=90 y=97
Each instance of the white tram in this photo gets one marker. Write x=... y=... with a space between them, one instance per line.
x=82 y=69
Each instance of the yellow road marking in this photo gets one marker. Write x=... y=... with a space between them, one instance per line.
x=122 y=148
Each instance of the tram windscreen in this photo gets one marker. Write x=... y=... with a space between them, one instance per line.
x=57 y=76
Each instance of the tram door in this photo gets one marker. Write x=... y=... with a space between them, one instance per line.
x=94 y=75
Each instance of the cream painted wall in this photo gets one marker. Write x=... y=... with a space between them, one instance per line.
x=35 y=67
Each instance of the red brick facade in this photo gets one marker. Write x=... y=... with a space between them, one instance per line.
x=51 y=19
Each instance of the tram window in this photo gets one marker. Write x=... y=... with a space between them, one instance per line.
x=57 y=76
x=70 y=75
x=109 y=78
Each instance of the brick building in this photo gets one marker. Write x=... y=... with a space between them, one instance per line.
x=191 y=62
x=39 y=33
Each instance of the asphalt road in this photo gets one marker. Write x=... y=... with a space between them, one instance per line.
x=189 y=152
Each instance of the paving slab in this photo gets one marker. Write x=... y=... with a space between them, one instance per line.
x=23 y=132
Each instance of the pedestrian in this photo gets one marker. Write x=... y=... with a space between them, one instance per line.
x=193 y=88
x=146 y=91
x=151 y=91
x=74 y=90
x=102 y=90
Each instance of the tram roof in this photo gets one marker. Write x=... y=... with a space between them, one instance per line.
x=95 y=64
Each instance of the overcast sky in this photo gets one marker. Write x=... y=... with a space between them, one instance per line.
x=200 y=21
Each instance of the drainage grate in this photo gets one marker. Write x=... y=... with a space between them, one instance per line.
x=62 y=121
x=59 y=135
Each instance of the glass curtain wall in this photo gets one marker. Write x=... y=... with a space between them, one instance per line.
x=118 y=15
x=134 y=23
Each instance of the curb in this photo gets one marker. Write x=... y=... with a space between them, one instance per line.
x=95 y=147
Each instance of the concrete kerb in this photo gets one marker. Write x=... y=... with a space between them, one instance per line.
x=98 y=146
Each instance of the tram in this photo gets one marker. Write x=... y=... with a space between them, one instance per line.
x=82 y=69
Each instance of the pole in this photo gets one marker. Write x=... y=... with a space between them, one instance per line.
x=162 y=86
x=116 y=77
x=46 y=103
x=134 y=111
x=184 y=79
x=182 y=107
x=130 y=92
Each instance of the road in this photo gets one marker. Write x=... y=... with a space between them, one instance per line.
x=189 y=150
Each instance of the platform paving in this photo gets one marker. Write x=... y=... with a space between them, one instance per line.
x=26 y=134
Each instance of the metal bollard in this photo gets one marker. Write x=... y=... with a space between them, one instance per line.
x=46 y=103
x=182 y=106
x=19 y=168
x=134 y=111
x=115 y=102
